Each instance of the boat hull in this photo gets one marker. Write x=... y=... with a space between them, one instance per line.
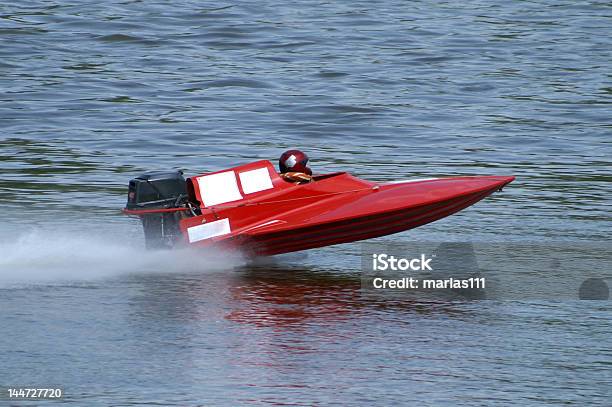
x=357 y=228
x=340 y=209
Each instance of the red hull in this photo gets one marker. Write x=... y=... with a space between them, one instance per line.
x=264 y=215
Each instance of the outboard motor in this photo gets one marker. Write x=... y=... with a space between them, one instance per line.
x=158 y=190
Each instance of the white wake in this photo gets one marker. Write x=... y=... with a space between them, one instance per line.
x=48 y=256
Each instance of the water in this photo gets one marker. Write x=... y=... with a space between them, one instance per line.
x=93 y=93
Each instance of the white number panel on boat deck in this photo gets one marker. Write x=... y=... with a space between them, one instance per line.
x=219 y=188
x=255 y=180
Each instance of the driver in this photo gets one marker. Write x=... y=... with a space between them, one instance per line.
x=293 y=166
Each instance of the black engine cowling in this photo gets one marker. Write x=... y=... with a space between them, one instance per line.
x=158 y=190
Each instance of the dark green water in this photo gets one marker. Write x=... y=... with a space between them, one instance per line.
x=93 y=93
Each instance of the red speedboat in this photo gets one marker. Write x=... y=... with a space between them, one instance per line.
x=251 y=207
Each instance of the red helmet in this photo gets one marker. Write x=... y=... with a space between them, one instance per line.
x=294 y=161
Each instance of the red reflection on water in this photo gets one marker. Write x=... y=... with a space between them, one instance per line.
x=293 y=298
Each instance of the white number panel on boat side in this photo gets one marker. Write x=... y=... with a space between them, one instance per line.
x=208 y=230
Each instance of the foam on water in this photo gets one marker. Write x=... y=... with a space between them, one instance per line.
x=45 y=257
